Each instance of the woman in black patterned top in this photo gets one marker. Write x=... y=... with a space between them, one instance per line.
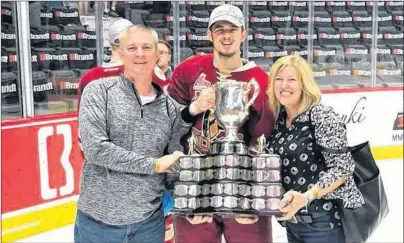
x=315 y=181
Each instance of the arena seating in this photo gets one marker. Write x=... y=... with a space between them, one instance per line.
x=342 y=38
x=342 y=33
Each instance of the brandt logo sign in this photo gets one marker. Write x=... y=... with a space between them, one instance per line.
x=68 y=85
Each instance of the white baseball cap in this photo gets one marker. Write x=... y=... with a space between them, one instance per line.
x=116 y=29
x=227 y=12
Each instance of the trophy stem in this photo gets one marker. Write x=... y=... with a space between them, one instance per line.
x=231 y=134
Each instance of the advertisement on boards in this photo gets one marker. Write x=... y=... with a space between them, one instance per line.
x=41 y=163
x=353 y=109
x=398 y=127
x=370 y=116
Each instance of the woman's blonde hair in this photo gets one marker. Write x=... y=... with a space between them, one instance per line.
x=311 y=94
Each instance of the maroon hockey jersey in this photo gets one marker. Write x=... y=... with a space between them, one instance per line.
x=197 y=73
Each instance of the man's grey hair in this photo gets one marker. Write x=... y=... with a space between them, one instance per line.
x=139 y=27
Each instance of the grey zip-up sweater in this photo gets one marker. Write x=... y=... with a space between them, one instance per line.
x=120 y=139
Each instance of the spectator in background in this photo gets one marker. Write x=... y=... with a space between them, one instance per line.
x=83 y=7
x=114 y=67
x=165 y=58
x=124 y=143
x=110 y=11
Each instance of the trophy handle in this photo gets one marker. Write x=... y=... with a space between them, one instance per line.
x=217 y=96
x=254 y=83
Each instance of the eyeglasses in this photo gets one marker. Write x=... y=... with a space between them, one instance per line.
x=163 y=52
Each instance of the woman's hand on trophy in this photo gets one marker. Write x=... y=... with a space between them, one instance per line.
x=163 y=164
x=291 y=203
x=244 y=219
x=204 y=102
x=199 y=219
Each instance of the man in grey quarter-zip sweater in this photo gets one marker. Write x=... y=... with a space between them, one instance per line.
x=127 y=124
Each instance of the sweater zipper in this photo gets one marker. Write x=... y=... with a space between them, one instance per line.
x=140 y=102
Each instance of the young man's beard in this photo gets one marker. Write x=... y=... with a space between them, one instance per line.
x=225 y=55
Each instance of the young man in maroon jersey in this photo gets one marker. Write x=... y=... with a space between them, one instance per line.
x=191 y=86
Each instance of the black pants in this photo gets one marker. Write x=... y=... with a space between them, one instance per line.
x=318 y=231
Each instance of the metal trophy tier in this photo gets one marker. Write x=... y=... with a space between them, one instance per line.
x=229 y=180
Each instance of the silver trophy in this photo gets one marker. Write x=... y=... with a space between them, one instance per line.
x=231 y=110
x=229 y=180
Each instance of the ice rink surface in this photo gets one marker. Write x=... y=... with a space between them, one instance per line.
x=391 y=230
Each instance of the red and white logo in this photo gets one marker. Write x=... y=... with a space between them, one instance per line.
x=48 y=57
x=276 y=3
x=356 y=51
x=362 y=19
x=398 y=52
x=399 y=122
x=399 y=18
x=5 y=12
x=201 y=83
x=79 y=57
x=12 y=58
x=68 y=85
x=60 y=14
x=281 y=19
x=47 y=191
x=197 y=37
x=341 y=4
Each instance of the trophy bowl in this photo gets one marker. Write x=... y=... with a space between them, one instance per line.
x=232 y=105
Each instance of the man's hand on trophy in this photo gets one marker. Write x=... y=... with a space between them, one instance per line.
x=199 y=219
x=205 y=101
x=243 y=219
x=165 y=163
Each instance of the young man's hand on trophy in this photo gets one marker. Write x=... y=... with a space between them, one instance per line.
x=241 y=219
x=204 y=102
x=200 y=219
x=164 y=164
x=246 y=219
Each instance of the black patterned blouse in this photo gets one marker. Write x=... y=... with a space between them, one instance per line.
x=303 y=167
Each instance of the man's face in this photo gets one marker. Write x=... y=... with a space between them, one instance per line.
x=164 y=55
x=138 y=52
x=226 y=38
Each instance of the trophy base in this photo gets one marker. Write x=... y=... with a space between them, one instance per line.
x=229 y=213
x=227 y=147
